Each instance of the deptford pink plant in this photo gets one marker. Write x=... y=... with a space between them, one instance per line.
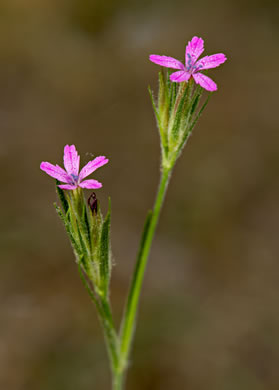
x=192 y=66
x=177 y=111
x=71 y=174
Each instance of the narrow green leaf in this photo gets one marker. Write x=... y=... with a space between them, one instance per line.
x=67 y=225
x=199 y=113
x=172 y=97
x=153 y=102
x=158 y=120
x=188 y=94
x=62 y=197
x=104 y=251
x=168 y=82
x=178 y=113
x=128 y=324
x=87 y=286
x=83 y=242
x=192 y=125
x=144 y=233
x=195 y=99
x=162 y=91
x=79 y=228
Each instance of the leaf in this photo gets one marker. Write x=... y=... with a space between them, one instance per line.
x=192 y=125
x=62 y=197
x=158 y=120
x=153 y=104
x=172 y=97
x=67 y=225
x=104 y=251
x=87 y=286
x=162 y=91
x=196 y=99
x=127 y=325
x=144 y=233
x=78 y=224
x=84 y=249
x=178 y=112
x=168 y=82
x=191 y=105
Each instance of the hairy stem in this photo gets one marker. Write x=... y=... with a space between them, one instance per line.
x=105 y=316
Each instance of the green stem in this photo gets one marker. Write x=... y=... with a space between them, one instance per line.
x=129 y=319
x=118 y=381
x=110 y=334
x=105 y=317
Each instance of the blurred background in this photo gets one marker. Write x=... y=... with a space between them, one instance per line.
x=76 y=71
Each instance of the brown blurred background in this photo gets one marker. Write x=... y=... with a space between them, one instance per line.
x=76 y=71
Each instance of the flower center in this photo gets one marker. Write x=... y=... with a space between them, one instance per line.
x=74 y=179
x=189 y=63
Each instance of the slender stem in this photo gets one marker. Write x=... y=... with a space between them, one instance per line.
x=119 y=348
x=118 y=381
x=105 y=317
x=110 y=334
x=129 y=319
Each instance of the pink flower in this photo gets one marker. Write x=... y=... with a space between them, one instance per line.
x=192 y=66
x=71 y=174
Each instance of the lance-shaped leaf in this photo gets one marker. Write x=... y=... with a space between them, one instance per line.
x=178 y=114
x=62 y=197
x=156 y=112
x=104 y=252
x=192 y=125
x=144 y=233
x=192 y=102
x=172 y=93
x=67 y=225
x=128 y=324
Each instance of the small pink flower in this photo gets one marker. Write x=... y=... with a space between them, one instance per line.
x=192 y=66
x=71 y=174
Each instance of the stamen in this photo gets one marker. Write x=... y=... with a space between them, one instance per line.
x=74 y=178
x=189 y=62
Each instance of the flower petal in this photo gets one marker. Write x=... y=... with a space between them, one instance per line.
x=91 y=166
x=205 y=82
x=90 y=184
x=208 y=62
x=55 y=171
x=168 y=62
x=194 y=49
x=180 y=76
x=71 y=160
x=67 y=186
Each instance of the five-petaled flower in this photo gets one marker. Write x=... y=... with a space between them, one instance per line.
x=192 y=66
x=71 y=174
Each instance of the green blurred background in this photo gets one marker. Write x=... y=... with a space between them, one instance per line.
x=76 y=71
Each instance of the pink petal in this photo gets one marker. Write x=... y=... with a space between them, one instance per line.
x=90 y=184
x=55 y=171
x=168 y=62
x=213 y=61
x=71 y=160
x=205 y=82
x=91 y=166
x=194 y=49
x=67 y=187
x=180 y=76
